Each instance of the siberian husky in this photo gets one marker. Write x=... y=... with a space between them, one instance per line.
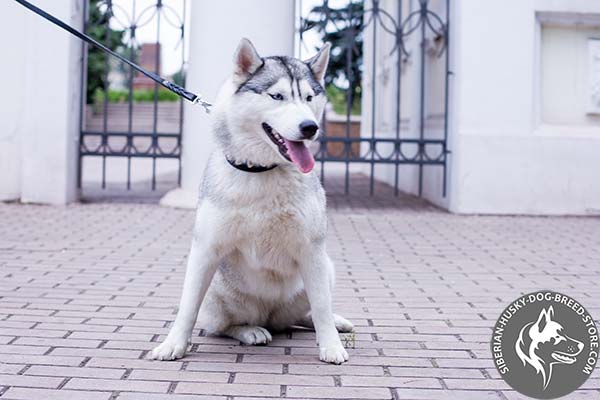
x=258 y=262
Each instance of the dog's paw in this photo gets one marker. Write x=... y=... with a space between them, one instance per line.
x=335 y=354
x=169 y=350
x=342 y=324
x=254 y=335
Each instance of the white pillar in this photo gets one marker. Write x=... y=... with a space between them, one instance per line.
x=12 y=43
x=216 y=28
x=40 y=108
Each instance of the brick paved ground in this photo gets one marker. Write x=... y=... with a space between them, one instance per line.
x=87 y=290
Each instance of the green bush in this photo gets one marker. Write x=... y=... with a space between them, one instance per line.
x=139 y=95
x=337 y=98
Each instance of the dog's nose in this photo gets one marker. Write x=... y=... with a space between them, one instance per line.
x=308 y=128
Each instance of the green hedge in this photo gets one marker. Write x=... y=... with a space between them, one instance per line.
x=139 y=95
x=337 y=98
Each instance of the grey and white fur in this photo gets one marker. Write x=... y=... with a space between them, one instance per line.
x=258 y=262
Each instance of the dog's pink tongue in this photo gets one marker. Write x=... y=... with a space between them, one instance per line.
x=300 y=155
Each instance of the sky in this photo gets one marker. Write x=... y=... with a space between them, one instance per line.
x=142 y=13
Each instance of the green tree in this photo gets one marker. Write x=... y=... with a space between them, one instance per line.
x=179 y=77
x=342 y=27
x=99 y=17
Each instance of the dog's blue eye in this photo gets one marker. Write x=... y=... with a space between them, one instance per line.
x=276 y=96
x=309 y=98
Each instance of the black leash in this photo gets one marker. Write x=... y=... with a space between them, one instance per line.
x=195 y=99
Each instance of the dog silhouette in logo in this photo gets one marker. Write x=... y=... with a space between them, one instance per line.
x=544 y=343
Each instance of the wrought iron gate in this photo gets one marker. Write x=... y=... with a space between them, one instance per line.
x=383 y=51
x=126 y=116
x=388 y=84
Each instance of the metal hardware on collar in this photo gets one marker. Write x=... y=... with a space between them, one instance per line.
x=178 y=90
x=249 y=167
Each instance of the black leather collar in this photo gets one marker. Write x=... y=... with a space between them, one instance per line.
x=250 y=168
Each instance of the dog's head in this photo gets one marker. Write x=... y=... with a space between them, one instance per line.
x=270 y=110
x=544 y=343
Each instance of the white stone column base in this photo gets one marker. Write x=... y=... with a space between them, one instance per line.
x=180 y=198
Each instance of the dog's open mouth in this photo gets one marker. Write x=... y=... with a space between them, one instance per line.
x=293 y=151
x=563 y=358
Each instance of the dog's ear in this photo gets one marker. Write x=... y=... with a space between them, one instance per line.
x=318 y=63
x=246 y=60
x=543 y=319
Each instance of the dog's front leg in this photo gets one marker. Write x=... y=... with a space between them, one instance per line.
x=201 y=266
x=318 y=275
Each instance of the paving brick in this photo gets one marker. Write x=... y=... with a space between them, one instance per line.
x=231 y=389
x=279 y=379
x=29 y=381
x=236 y=349
x=488 y=384
x=77 y=327
x=126 y=385
x=234 y=367
x=339 y=392
x=436 y=372
x=210 y=357
x=329 y=369
x=16 y=393
x=15 y=349
x=84 y=372
x=101 y=335
x=390 y=381
x=6 y=339
x=41 y=360
x=58 y=342
x=170 y=396
x=179 y=376
x=87 y=352
x=464 y=363
x=42 y=333
x=427 y=394
x=134 y=363
x=10 y=368
x=427 y=353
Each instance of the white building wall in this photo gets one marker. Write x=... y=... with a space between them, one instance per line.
x=506 y=159
x=40 y=106
x=515 y=149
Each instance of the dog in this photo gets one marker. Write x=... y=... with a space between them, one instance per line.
x=544 y=343
x=258 y=262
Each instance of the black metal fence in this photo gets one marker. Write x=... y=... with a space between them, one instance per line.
x=138 y=120
x=373 y=39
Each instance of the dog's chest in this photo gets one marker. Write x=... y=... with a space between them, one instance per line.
x=271 y=221
x=269 y=240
